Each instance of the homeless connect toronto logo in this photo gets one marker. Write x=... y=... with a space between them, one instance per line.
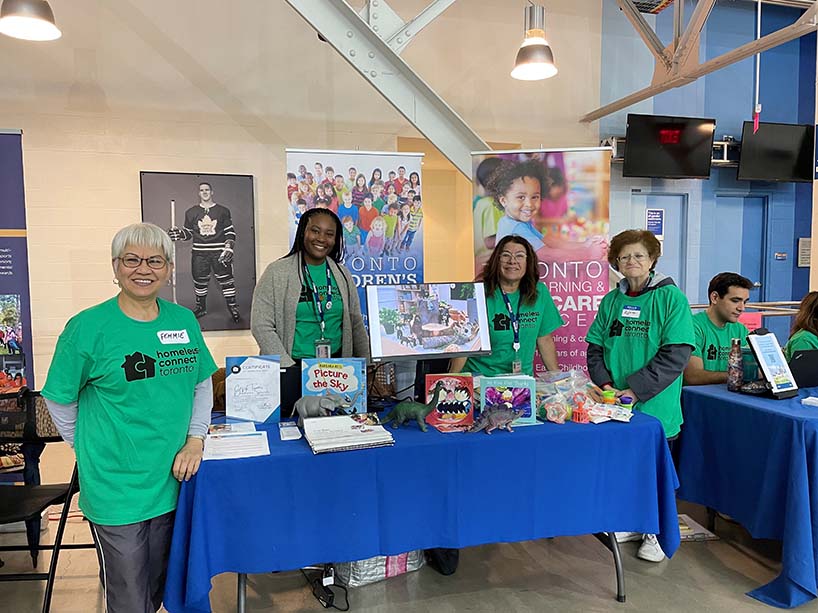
x=139 y=366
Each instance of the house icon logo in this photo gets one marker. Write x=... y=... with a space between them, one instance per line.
x=138 y=366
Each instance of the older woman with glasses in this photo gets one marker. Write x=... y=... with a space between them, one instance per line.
x=521 y=313
x=129 y=388
x=640 y=342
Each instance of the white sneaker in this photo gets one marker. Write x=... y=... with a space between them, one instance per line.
x=626 y=537
x=650 y=550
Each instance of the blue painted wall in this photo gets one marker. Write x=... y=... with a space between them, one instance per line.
x=787 y=95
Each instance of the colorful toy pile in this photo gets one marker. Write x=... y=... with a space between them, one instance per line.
x=564 y=396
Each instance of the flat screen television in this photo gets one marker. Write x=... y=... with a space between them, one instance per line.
x=777 y=152
x=427 y=320
x=658 y=146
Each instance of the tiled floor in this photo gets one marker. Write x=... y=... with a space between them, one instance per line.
x=562 y=574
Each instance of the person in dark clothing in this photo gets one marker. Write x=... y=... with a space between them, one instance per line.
x=210 y=227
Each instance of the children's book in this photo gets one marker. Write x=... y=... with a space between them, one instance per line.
x=252 y=388
x=513 y=391
x=345 y=377
x=454 y=409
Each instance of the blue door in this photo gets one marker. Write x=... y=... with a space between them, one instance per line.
x=739 y=244
x=673 y=261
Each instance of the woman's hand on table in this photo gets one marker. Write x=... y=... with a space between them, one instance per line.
x=187 y=461
x=627 y=392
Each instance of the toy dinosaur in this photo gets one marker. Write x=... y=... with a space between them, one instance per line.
x=320 y=406
x=494 y=417
x=409 y=409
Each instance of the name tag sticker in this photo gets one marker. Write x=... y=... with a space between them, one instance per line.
x=631 y=311
x=173 y=337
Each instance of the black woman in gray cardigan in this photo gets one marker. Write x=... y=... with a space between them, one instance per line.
x=307 y=299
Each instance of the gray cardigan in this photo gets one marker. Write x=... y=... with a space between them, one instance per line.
x=272 y=319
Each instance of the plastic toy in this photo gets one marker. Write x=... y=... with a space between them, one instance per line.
x=409 y=409
x=580 y=415
x=319 y=406
x=496 y=416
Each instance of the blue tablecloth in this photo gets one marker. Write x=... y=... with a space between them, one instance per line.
x=756 y=460
x=292 y=509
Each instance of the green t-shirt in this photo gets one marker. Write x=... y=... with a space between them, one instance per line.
x=713 y=343
x=133 y=382
x=307 y=323
x=631 y=330
x=391 y=222
x=536 y=320
x=379 y=203
x=800 y=341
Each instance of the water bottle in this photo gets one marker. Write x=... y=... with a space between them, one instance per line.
x=735 y=366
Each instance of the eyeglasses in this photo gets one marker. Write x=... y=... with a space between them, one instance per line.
x=507 y=256
x=639 y=257
x=156 y=262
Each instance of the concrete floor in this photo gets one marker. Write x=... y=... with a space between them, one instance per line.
x=562 y=574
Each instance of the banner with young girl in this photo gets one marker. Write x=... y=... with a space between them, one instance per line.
x=378 y=198
x=558 y=201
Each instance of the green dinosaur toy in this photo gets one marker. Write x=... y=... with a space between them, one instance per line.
x=409 y=409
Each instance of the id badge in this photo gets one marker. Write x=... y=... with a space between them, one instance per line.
x=631 y=312
x=516 y=367
x=323 y=349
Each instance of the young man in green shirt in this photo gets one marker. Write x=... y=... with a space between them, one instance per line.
x=716 y=327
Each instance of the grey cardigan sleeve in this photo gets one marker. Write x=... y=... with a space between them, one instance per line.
x=202 y=405
x=262 y=319
x=65 y=418
x=661 y=371
x=596 y=365
x=360 y=339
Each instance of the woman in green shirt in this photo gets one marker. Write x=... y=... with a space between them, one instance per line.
x=804 y=333
x=640 y=342
x=129 y=388
x=522 y=316
x=308 y=298
x=520 y=310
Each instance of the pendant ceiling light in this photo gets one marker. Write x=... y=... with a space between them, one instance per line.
x=28 y=19
x=535 y=60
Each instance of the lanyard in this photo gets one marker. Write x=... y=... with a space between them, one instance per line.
x=515 y=319
x=316 y=297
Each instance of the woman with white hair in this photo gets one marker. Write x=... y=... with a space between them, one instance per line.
x=129 y=388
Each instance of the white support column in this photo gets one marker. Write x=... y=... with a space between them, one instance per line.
x=363 y=48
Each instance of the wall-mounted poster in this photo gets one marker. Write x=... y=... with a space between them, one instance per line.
x=379 y=200
x=210 y=219
x=558 y=201
x=15 y=303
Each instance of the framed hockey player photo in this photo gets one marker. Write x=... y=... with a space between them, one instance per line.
x=210 y=220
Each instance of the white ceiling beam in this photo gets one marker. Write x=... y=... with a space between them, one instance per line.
x=678 y=22
x=644 y=30
x=407 y=32
x=692 y=33
x=804 y=25
x=360 y=45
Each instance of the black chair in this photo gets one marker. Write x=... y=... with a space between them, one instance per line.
x=24 y=419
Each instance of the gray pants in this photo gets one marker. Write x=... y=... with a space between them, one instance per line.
x=133 y=563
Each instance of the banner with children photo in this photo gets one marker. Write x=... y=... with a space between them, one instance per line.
x=379 y=199
x=558 y=201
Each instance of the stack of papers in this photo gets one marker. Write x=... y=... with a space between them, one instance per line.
x=228 y=441
x=345 y=433
x=600 y=413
